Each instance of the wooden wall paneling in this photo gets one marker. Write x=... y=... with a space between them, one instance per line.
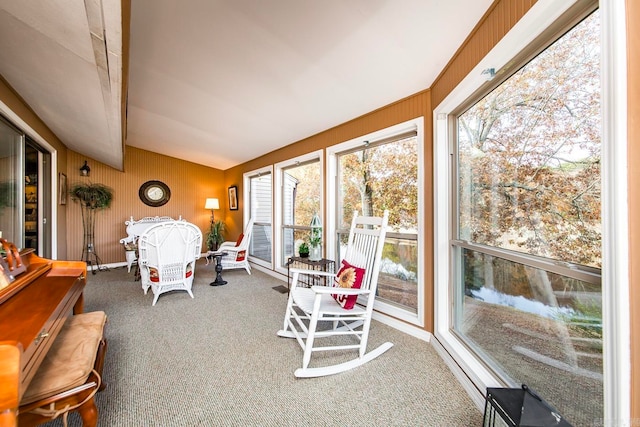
x=496 y=22
x=190 y=185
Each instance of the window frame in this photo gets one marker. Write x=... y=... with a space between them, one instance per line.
x=278 y=226
x=472 y=372
x=246 y=177
x=333 y=153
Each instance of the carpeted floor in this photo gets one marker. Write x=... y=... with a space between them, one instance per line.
x=215 y=360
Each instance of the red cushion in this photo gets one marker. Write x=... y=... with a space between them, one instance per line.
x=153 y=274
x=240 y=239
x=241 y=255
x=349 y=276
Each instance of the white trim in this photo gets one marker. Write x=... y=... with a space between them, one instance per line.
x=246 y=197
x=615 y=211
x=615 y=241
x=416 y=124
x=277 y=227
x=407 y=328
x=476 y=395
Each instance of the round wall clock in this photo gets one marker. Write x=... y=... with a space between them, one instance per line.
x=154 y=193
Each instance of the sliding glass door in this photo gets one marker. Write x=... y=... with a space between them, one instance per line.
x=11 y=183
x=25 y=191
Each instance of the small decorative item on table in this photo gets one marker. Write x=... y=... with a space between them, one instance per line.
x=303 y=250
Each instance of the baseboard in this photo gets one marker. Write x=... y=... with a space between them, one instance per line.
x=111 y=265
x=476 y=395
x=271 y=273
x=407 y=328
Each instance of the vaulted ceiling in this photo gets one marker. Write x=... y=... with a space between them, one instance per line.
x=220 y=82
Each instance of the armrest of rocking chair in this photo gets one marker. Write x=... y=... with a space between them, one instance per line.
x=227 y=246
x=339 y=291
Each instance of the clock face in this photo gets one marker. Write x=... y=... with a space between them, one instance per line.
x=154 y=193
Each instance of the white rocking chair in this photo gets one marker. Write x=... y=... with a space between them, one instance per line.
x=237 y=253
x=307 y=307
x=167 y=257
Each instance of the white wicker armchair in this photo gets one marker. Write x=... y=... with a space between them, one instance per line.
x=135 y=228
x=167 y=257
x=238 y=253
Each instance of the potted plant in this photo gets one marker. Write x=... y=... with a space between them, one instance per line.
x=92 y=197
x=303 y=250
x=214 y=236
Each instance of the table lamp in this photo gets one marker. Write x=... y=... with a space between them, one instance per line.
x=212 y=204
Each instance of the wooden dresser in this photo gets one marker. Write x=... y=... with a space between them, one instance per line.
x=33 y=308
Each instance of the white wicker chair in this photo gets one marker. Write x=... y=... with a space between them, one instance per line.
x=309 y=309
x=135 y=228
x=167 y=257
x=238 y=254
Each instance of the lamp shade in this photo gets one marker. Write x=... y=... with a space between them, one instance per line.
x=212 y=204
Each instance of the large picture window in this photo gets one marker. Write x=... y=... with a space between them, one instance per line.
x=374 y=175
x=301 y=200
x=526 y=238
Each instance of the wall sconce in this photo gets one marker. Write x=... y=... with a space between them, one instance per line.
x=212 y=204
x=85 y=170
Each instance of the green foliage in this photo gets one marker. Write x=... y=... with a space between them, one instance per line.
x=92 y=196
x=315 y=238
x=214 y=236
x=382 y=177
x=308 y=191
x=303 y=248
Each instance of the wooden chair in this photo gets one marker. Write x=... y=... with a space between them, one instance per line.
x=237 y=252
x=167 y=257
x=309 y=309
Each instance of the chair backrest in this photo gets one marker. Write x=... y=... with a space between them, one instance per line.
x=168 y=250
x=135 y=228
x=364 y=247
x=246 y=238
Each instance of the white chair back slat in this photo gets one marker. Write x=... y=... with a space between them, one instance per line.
x=363 y=246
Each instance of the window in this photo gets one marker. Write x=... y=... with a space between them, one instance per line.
x=260 y=208
x=301 y=198
x=525 y=234
x=377 y=172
